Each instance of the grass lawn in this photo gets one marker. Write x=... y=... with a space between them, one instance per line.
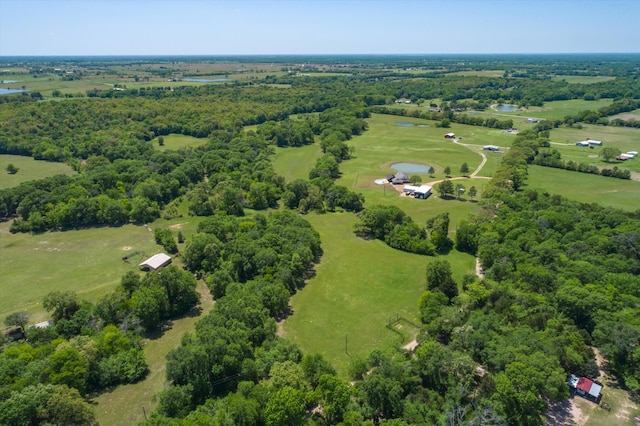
x=124 y=405
x=557 y=110
x=87 y=262
x=586 y=188
x=581 y=79
x=358 y=287
x=30 y=169
x=176 y=141
x=386 y=143
x=296 y=163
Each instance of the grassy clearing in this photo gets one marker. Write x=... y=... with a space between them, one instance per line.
x=635 y=114
x=87 y=262
x=386 y=143
x=623 y=138
x=481 y=73
x=30 y=169
x=581 y=79
x=586 y=188
x=124 y=404
x=359 y=286
x=557 y=110
x=296 y=163
x=176 y=141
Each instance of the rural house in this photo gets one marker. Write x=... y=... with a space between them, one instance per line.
x=450 y=136
x=493 y=148
x=400 y=178
x=586 y=388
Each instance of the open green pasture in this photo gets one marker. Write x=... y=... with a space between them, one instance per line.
x=557 y=110
x=623 y=138
x=176 y=141
x=586 y=188
x=124 y=404
x=386 y=143
x=296 y=162
x=29 y=169
x=88 y=262
x=358 y=288
x=635 y=114
x=581 y=79
x=480 y=73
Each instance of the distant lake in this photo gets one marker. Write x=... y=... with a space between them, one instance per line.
x=205 y=80
x=506 y=108
x=411 y=167
x=7 y=91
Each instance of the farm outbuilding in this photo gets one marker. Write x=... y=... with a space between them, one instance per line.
x=493 y=148
x=423 y=192
x=589 y=142
x=155 y=262
x=450 y=136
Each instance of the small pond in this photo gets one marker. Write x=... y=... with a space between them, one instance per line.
x=404 y=124
x=506 y=108
x=411 y=167
x=7 y=91
x=205 y=80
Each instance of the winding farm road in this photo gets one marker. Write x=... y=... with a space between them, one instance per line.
x=473 y=175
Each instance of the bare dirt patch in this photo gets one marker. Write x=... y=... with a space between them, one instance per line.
x=126 y=248
x=177 y=226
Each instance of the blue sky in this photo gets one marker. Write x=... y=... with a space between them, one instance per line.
x=222 y=27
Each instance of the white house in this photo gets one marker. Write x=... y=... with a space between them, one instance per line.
x=450 y=136
x=589 y=142
x=491 y=148
x=155 y=262
x=634 y=154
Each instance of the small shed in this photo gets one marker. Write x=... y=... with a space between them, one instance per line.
x=493 y=148
x=634 y=154
x=624 y=157
x=155 y=262
x=450 y=136
x=43 y=324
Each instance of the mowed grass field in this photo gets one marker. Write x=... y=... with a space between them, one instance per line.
x=175 y=141
x=30 y=169
x=582 y=79
x=358 y=287
x=88 y=262
x=623 y=138
x=296 y=163
x=386 y=143
x=586 y=188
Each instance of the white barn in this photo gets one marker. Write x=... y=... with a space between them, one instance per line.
x=155 y=262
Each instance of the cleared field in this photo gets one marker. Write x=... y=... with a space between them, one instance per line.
x=581 y=79
x=481 y=73
x=623 y=138
x=30 y=169
x=125 y=404
x=176 y=141
x=358 y=287
x=557 y=110
x=635 y=114
x=386 y=143
x=586 y=188
x=87 y=262
x=296 y=163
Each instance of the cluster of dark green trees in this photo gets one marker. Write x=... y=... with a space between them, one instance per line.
x=88 y=348
x=552 y=158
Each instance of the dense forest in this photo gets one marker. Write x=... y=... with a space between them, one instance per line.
x=560 y=278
